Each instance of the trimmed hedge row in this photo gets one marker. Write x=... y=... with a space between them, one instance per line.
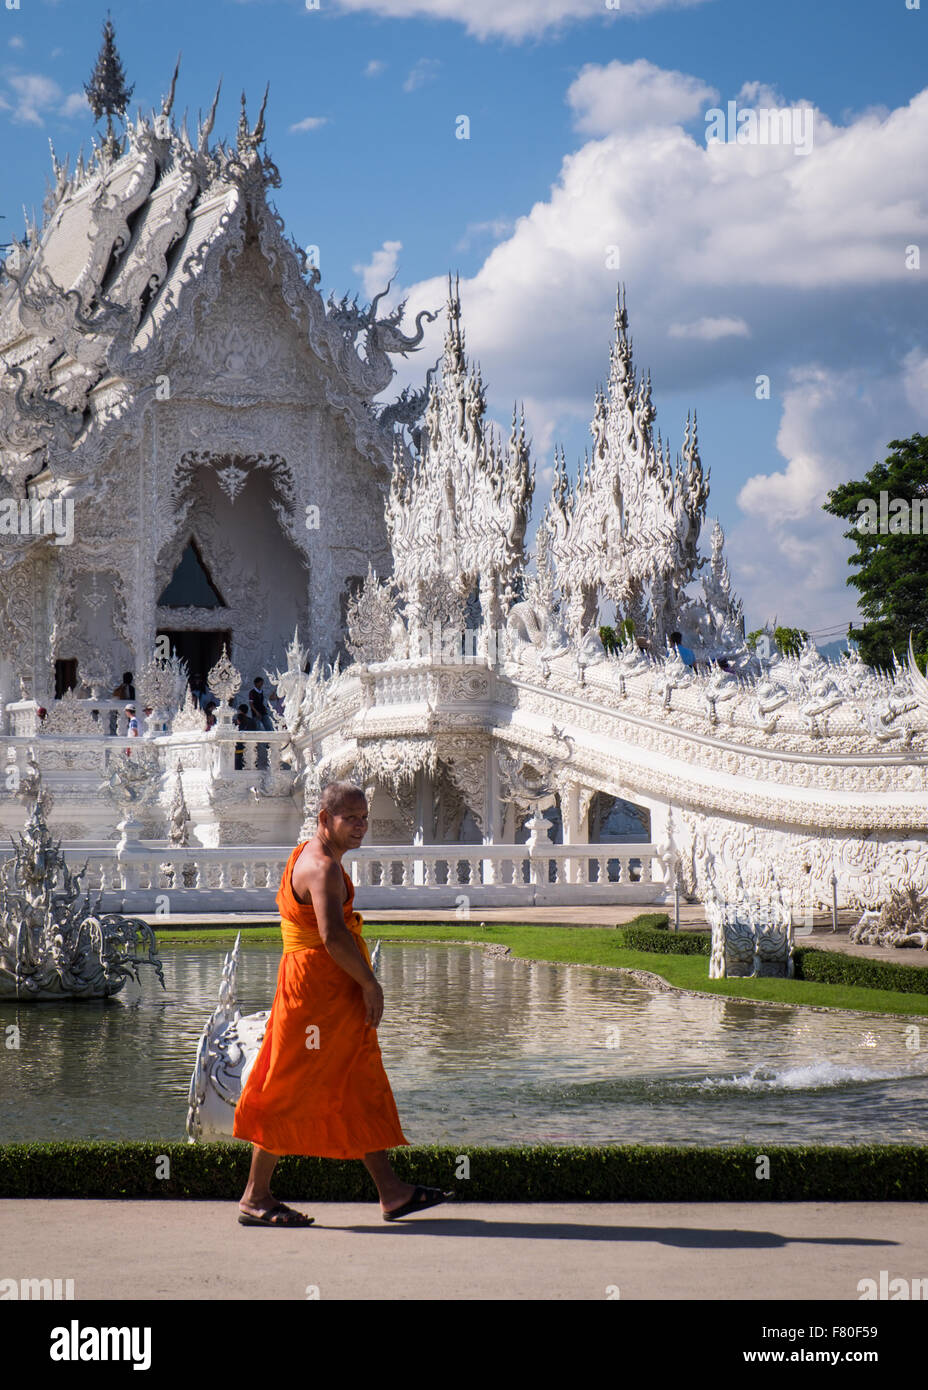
x=633 y=1173
x=822 y=967
x=640 y=938
x=660 y=921
x=836 y=968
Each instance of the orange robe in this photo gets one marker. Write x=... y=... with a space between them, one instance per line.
x=332 y=1100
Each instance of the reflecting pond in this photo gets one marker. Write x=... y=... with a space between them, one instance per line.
x=481 y=1050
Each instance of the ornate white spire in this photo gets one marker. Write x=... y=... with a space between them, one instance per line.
x=629 y=528
x=457 y=515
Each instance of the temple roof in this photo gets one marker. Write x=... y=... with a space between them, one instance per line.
x=89 y=296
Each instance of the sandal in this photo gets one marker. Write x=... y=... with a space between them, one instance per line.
x=276 y=1216
x=422 y=1198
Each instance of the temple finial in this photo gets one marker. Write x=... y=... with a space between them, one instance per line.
x=168 y=101
x=107 y=91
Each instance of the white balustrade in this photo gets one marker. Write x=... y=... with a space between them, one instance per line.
x=194 y=879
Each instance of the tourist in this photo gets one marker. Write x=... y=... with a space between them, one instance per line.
x=318 y=1086
x=262 y=717
x=201 y=693
x=132 y=727
x=243 y=721
x=259 y=706
x=210 y=712
x=685 y=654
x=126 y=690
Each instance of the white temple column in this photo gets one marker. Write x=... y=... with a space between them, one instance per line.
x=575 y=830
x=491 y=815
x=421 y=814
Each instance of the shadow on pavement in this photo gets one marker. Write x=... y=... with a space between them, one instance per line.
x=703 y=1239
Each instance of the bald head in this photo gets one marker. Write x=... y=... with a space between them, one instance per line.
x=339 y=795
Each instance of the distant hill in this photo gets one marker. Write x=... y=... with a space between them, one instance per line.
x=834 y=649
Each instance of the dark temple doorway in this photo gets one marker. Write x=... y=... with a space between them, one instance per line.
x=200 y=650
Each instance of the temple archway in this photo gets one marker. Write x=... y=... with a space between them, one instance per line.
x=233 y=530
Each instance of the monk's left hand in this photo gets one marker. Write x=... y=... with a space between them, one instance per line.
x=373 y=1001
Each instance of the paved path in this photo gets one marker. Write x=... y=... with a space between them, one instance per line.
x=709 y=1251
x=596 y=915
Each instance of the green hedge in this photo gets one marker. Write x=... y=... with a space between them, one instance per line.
x=639 y=938
x=822 y=967
x=836 y=968
x=660 y=921
x=633 y=1173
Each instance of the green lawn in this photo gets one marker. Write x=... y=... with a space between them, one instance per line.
x=596 y=946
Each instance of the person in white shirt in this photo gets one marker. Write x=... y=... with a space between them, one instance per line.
x=132 y=730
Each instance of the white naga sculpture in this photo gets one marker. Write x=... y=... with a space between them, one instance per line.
x=750 y=937
x=53 y=943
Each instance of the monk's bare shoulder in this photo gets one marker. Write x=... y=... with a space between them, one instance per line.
x=317 y=877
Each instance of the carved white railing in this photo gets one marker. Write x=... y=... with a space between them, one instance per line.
x=149 y=878
x=227 y=750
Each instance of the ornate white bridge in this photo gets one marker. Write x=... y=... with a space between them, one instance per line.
x=812 y=779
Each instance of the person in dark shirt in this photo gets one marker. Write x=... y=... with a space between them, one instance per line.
x=244 y=721
x=125 y=691
x=259 y=707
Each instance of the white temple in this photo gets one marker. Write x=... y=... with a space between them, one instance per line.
x=192 y=460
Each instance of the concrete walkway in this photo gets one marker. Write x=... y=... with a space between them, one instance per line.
x=707 y=1251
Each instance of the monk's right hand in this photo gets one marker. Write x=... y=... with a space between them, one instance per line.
x=373 y=1001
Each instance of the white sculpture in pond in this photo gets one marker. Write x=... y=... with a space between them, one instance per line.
x=750 y=938
x=53 y=943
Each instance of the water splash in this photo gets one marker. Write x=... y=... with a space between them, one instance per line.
x=813 y=1076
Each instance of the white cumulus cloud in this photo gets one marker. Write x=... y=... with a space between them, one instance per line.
x=835 y=425
x=708 y=330
x=629 y=96
x=35 y=97
x=739 y=260
x=380 y=269
x=513 y=19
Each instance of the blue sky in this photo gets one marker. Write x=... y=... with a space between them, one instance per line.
x=587 y=130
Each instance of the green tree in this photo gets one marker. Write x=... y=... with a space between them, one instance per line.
x=891 y=559
x=790 y=639
x=787 y=640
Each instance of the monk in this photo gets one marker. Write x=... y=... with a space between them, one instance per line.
x=318 y=1084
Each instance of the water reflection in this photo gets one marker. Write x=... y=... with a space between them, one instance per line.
x=488 y=1051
